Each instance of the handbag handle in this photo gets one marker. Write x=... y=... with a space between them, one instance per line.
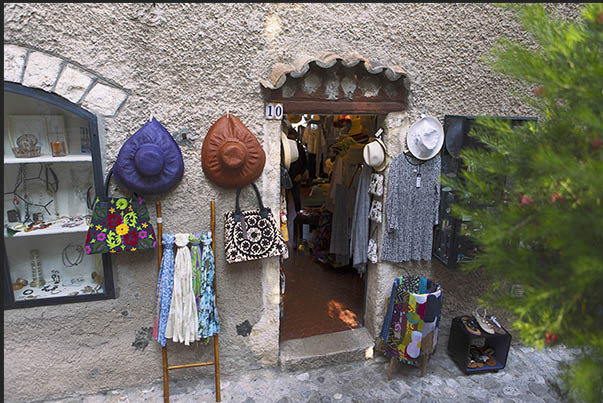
x=263 y=209
x=105 y=196
x=107 y=179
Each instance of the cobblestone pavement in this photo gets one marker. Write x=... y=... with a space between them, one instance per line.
x=529 y=376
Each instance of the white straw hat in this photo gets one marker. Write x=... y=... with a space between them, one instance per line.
x=289 y=147
x=425 y=138
x=374 y=155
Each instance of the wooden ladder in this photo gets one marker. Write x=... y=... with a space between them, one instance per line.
x=164 y=356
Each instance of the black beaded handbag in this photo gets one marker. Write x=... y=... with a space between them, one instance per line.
x=251 y=234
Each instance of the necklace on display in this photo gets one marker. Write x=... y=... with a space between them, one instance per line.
x=67 y=262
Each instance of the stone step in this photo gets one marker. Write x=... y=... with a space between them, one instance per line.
x=326 y=349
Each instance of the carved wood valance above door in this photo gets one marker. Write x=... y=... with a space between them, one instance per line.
x=333 y=85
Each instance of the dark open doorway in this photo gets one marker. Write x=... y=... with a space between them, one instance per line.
x=323 y=291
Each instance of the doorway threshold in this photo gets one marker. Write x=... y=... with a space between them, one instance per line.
x=326 y=349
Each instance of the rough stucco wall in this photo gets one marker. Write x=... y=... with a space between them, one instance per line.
x=189 y=64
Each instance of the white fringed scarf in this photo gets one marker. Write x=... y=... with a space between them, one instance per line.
x=183 y=319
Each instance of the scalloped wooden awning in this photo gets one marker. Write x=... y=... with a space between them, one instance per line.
x=334 y=84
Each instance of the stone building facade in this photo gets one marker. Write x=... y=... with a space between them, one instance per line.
x=188 y=64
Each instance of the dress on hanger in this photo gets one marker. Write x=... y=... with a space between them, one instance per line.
x=411 y=211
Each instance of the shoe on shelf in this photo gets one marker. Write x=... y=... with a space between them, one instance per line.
x=476 y=356
x=470 y=325
x=488 y=356
x=482 y=320
x=471 y=364
x=497 y=327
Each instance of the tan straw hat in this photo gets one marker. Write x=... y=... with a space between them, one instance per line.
x=374 y=155
x=289 y=148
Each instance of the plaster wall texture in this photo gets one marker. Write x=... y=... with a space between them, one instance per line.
x=188 y=64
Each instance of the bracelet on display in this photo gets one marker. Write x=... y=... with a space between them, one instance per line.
x=29 y=291
x=72 y=222
x=47 y=287
x=87 y=289
x=65 y=255
x=56 y=276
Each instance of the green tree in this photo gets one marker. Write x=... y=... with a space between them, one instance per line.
x=534 y=191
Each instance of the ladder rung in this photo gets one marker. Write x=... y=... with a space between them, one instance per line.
x=195 y=364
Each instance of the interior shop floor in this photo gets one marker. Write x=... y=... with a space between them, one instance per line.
x=319 y=298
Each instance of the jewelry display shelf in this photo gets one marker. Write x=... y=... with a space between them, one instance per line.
x=48 y=158
x=460 y=342
x=60 y=291
x=55 y=192
x=53 y=229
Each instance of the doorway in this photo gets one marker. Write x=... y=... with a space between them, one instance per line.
x=322 y=290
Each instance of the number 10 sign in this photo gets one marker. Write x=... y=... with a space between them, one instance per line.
x=274 y=111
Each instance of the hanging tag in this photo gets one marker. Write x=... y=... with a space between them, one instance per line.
x=419 y=180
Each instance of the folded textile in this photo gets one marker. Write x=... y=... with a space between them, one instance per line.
x=405 y=325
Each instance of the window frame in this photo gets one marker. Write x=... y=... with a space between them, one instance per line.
x=8 y=300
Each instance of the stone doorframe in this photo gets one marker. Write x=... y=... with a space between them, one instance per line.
x=346 y=85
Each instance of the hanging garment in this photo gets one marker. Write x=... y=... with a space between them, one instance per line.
x=183 y=319
x=411 y=208
x=209 y=321
x=371 y=253
x=195 y=240
x=165 y=286
x=401 y=286
x=360 y=221
x=284 y=227
x=429 y=307
x=345 y=198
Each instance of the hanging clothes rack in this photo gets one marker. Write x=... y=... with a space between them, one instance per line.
x=164 y=356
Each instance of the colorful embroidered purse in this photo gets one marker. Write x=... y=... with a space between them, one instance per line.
x=119 y=224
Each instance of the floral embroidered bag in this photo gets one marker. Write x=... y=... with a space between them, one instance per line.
x=119 y=224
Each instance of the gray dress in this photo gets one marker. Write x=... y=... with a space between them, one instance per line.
x=360 y=224
x=411 y=211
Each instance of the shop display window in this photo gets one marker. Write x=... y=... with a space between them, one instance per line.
x=52 y=171
x=452 y=242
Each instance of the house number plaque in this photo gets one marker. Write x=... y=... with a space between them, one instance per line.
x=274 y=111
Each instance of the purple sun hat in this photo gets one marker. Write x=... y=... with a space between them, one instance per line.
x=150 y=161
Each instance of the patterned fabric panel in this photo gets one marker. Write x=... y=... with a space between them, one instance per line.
x=209 y=321
x=165 y=286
